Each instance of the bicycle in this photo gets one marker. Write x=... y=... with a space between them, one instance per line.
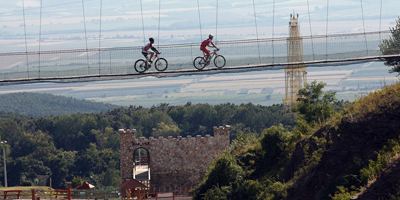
x=200 y=62
x=160 y=64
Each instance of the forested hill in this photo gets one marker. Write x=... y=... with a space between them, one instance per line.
x=352 y=154
x=34 y=104
x=86 y=146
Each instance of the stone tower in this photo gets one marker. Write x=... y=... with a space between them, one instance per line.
x=171 y=162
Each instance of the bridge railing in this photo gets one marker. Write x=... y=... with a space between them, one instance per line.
x=76 y=63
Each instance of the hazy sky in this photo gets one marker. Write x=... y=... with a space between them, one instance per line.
x=186 y=18
x=230 y=12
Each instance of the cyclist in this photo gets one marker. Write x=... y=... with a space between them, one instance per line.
x=146 y=52
x=206 y=43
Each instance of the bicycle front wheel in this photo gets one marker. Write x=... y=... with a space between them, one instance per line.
x=219 y=61
x=140 y=66
x=161 y=64
x=199 y=63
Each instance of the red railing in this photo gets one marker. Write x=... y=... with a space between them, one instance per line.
x=12 y=193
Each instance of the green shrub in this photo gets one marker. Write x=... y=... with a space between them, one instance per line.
x=374 y=168
x=217 y=193
x=277 y=191
x=277 y=145
x=223 y=172
x=342 y=194
x=27 y=183
x=249 y=190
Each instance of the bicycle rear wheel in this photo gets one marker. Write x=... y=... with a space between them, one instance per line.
x=199 y=63
x=140 y=66
x=161 y=64
x=219 y=61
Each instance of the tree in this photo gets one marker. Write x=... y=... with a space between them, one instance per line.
x=314 y=105
x=59 y=165
x=223 y=172
x=111 y=176
x=76 y=181
x=391 y=46
x=165 y=130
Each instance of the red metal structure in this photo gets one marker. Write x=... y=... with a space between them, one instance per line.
x=13 y=193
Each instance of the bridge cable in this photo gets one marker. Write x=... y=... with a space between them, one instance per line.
x=255 y=21
x=327 y=22
x=40 y=32
x=311 y=34
x=26 y=41
x=365 y=36
x=201 y=33
x=141 y=11
x=273 y=31
x=159 y=21
x=380 y=24
x=101 y=14
x=216 y=22
x=84 y=26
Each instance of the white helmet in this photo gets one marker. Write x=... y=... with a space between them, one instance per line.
x=210 y=36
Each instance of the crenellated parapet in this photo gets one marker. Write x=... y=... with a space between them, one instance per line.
x=180 y=161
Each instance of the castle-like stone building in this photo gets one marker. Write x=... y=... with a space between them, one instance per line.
x=172 y=162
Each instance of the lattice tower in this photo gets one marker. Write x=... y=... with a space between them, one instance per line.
x=295 y=75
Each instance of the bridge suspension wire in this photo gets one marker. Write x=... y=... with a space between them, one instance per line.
x=198 y=8
x=101 y=14
x=159 y=22
x=326 y=32
x=365 y=37
x=273 y=31
x=84 y=27
x=26 y=41
x=141 y=11
x=216 y=22
x=40 y=33
x=380 y=23
x=255 y=21
x=311 y=34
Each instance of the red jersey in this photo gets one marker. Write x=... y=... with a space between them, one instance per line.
x=205 y=43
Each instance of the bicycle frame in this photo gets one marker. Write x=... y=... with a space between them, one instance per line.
x=214 y=53
x=201 y=61
x=154 y=57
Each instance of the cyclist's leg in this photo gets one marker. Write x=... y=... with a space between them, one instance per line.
x=145 y=53
x=207 y=52
x=151 y=56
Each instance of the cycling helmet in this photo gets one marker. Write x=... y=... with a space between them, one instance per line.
x=151 y=39
x=210 y=36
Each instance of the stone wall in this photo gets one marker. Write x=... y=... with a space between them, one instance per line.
x=174 y=162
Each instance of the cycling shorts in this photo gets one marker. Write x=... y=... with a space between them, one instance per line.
x=145 y=53
x=205 y=50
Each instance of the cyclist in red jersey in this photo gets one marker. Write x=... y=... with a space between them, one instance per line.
x=206 y=43
x=145 y=50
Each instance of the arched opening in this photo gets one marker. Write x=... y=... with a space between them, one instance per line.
x=141 y=157
x=141 y=165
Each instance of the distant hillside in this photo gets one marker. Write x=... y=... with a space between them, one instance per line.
x=34 y=104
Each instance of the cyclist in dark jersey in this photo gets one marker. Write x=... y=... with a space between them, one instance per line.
x=206 y=43
x=146 y=48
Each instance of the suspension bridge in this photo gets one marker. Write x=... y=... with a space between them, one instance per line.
x=34 y=56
